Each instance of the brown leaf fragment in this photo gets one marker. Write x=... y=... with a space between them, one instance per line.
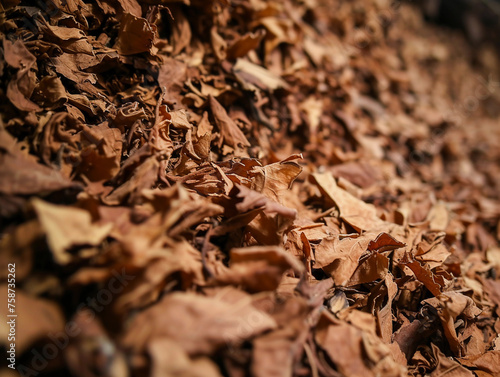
x=143 y=177
x=171 y=76
x=153 y=262
x=131 y=6
x=492 y=288
x=36 y=319
x=423 y=273
x=450 y=305
x=245 y=43
x=339 y=256
x=101 y=160
x=259 y=268
x=488 y=362
x=447 y=367
x=409 y=335
x=181 y=30
x=371 y=268
x=250 y=205
x=202 y=147
x=206 y=325
x=67 y=65
x=434 y=257
x=252 y=75
x=384 y=242
x=355 y=352
x=91 y=352
x=70 y=40
x=219 y=45
x=273 y=179
x=375 y=265
x=136 y=35
x=272 y=354
x=17 y=248
x=360 y=215
x=439 y=217
x=66 y=227
x=128 y=114
x=473 y=340
x=170 y=360
x=50 y=92
x=361 y=174
x=384 y=316
x=20 y=174
x=229 y=130
x=20 y=87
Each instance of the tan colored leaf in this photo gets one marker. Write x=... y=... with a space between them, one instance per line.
x=360 y=215
x=66 y=227
x=20 y=174
x=20 y=88
x=170 y=360
x=275 y=178
x=339 y=256
x=255 y=75
x=230 y=132
x=259 y=268
x=207 y=324
x=36 y=319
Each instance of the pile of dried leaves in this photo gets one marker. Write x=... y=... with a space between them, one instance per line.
x=248 y=188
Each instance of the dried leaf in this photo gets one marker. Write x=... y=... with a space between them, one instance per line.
x=258 y=76
x=20 y=174
x=259 y=268
x=67 y=227
x=230 y=133
x=339 y=256
x=135 y=35
x=35 y=319
x=216 y=323
x=361 y=216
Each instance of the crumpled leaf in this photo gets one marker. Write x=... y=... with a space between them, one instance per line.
x=384 y=242
x=448 y=367
x=36 y=318
x=20 y=174
x=273 y=179
x=361 y=216
x=361 y=354
x=487 y=362
x=259 y=268
x=67 y=227
x=21 y=87
x=256 y=76
x=230 y=132
x=170 y=360
x=215 y=322
x=244 y=44
x=450 y=305
x=70 y=40
x=67 y=65
x=135 y=35
x=433 y=282
x=90 y=350
x=339 y=256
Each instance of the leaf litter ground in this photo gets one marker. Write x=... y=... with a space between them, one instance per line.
x=248 y=188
